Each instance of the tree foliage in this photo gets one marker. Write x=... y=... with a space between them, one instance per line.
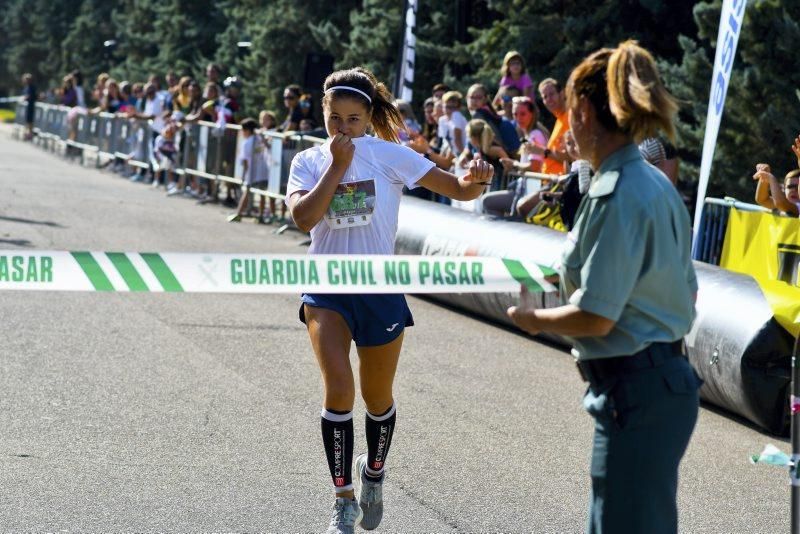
x=51 y=38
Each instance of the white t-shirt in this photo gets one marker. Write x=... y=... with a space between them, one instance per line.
x=448 y=126
x=253 y=151
x=378 y=172
x=535 y=137
x=155 y=107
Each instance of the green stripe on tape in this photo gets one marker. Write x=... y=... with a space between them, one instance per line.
x=547 y=271
x=93 y=271
x=162 y=272
x=127 y=271
x=520 y=274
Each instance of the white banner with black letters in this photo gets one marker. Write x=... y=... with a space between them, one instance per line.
x=730 y=26
x=405 y=71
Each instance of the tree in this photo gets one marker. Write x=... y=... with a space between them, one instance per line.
x=761 y=113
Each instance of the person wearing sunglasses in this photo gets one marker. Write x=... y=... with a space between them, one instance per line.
x=294 y=114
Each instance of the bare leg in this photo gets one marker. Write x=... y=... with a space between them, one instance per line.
x=377 y=368
x=243 y=200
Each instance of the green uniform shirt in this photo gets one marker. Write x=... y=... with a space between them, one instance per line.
x=628 y=258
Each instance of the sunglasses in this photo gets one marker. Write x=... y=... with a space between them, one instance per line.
x=289 y=97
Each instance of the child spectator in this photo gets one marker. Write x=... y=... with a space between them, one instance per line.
x=774 y=196
x=267 y=121
x=165 y=156
x=307 y=125
x=151 y=108
x=453 y=125
x=306 y=105
x=255 y=171
x=507 y=94
x=483 y=144
x=513 y=74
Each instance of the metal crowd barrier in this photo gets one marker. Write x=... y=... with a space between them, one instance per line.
x=713 y=223
x=205 y=150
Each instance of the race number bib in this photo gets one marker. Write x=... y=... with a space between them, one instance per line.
x=352 y=205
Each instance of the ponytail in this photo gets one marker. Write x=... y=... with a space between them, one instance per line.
x=385 y=117
x=638 y=99
x=626 y=91
x=477 y=128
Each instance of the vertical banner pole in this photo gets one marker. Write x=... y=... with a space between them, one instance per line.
x=794 y=403
x=730 y=25
x=404 y=80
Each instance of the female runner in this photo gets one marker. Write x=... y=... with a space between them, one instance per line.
x=323 y=183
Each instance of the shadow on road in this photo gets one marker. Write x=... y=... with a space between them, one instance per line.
x=30 y=221
x=16 y=242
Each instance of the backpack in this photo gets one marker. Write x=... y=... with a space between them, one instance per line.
x=548 y=215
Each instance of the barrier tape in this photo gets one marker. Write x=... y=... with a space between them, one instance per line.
x=266 y=273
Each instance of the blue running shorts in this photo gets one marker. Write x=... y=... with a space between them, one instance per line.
x=373 y=319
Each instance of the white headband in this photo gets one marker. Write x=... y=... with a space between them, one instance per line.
x=348 y=88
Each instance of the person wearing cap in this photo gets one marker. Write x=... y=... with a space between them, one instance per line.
x=628 y=290
x=233 y=92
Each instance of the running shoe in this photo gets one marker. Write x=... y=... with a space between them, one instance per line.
x=234 y=218
x=369 y=495
x=346 y=515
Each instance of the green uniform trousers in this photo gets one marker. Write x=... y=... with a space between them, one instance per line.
x=644 y=418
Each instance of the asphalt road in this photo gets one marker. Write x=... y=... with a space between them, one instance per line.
x=189 y=412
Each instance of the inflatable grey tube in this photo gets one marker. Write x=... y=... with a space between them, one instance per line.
x=735 y=345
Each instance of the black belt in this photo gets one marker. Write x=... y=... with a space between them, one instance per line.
x=601 y=370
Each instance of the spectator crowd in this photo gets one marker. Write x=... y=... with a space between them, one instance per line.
x=521 y=128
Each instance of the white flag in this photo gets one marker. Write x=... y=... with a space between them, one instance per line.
x=405 y=71
x=730 y=25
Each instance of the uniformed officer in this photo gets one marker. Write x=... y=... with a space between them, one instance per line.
x=628 y=290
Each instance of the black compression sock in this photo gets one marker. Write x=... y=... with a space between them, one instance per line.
x=379 y=430
x=337 y=437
